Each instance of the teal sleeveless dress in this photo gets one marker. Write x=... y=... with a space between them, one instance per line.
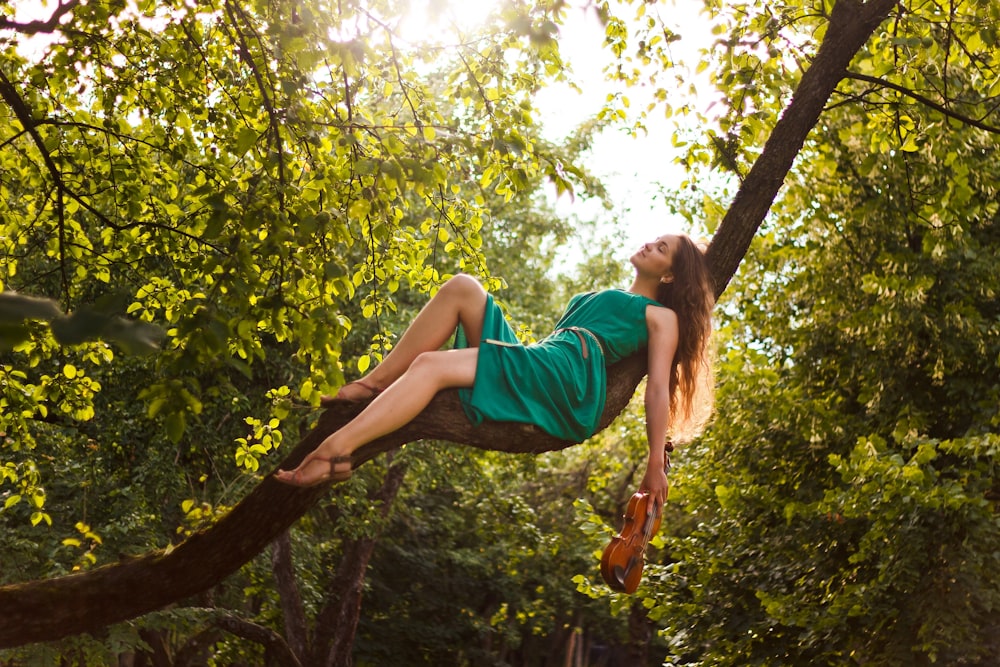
x=559 y=383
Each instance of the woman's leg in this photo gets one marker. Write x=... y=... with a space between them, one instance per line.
x=461 y=300
x=429 y=373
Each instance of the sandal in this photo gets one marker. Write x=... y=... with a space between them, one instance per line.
x=294 y=478
x=373 y=391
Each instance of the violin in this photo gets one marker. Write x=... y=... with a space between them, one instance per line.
x=623 y=558
x=622 y=561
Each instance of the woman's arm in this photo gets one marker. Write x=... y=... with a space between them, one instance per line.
x=663 y=334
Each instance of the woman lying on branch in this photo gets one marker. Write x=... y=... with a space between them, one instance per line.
x=557 y=384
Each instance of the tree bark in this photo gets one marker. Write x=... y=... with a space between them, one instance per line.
x=292 y=610
x=51 y=609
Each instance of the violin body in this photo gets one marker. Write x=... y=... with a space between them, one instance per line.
x=622 y=561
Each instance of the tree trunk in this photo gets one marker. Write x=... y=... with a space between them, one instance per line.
x=292 y=610
x=337 y=623
x=54 y=608
x=639 y=635
x=851 y=24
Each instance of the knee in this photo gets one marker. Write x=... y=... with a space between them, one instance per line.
x=425 y=362
x=463 y=283
x=427 y=366
x=441 y=369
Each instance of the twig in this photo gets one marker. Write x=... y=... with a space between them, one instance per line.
x=35 y=27
x=924 y=100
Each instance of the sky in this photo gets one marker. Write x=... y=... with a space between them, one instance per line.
x=631 y=167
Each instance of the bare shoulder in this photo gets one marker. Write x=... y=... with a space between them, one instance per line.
x=661 y=319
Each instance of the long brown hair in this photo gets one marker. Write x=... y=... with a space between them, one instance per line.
x=690 y=294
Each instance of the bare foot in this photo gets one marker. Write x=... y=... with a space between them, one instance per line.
x=316 y=471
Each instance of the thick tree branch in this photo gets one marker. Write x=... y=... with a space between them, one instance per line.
x=53 y=608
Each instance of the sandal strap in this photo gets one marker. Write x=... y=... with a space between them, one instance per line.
x=336 y=460
x=367 y=385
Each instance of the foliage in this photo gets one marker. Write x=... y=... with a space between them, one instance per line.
x=255 y=181
x=236 y=174
x=843 y=504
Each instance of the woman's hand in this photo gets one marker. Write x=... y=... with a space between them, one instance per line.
x=655 y=482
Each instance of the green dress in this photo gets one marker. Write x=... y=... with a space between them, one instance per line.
x=559 y=383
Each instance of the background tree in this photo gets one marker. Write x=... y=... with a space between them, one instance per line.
x=224 y=361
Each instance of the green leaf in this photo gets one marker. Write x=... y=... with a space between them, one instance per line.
x=245 y=139
x=38 y=517
x=175 y=423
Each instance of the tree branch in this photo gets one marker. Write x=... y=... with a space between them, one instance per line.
x=274 y=121
x=35 y=27
x=926 y=101
x=23 y=113
x=52 y=608
x=266 y=637
x=10 y=95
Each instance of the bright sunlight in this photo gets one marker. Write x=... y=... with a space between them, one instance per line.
x=436 y=20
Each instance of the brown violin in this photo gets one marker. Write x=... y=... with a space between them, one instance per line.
x=622 y=561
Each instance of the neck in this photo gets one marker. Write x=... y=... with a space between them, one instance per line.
x=647 y=287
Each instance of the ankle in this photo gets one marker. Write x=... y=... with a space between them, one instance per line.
x=371 y=385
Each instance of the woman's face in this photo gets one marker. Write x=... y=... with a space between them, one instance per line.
x=656 y=257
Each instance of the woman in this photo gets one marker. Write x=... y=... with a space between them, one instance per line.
x=557 y=384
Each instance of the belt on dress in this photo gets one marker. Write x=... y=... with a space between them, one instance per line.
x=580 y=331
